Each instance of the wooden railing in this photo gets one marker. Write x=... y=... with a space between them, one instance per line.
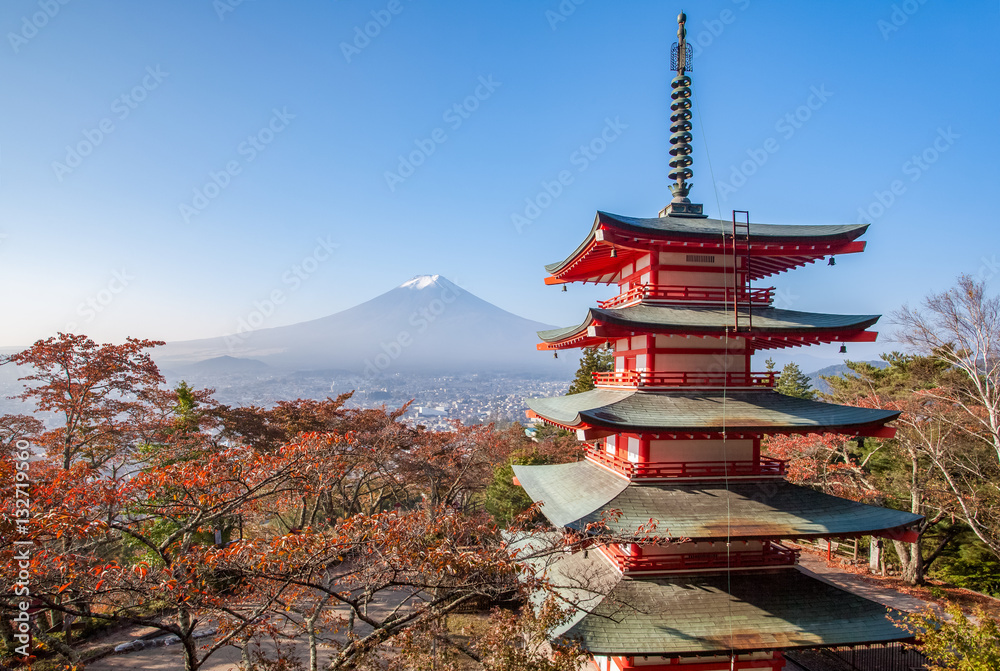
x=661 y=470
x=664 y=292
x=772 y=554
x=643 y=378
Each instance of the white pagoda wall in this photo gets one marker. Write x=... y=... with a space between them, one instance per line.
x=700 y=450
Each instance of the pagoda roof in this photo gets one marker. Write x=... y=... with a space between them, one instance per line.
x=705 y=411
x=772 y=327
x=777 y=609
x=581 y=494
x=774 y=248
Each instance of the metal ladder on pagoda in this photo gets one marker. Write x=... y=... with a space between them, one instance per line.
x=740 y=284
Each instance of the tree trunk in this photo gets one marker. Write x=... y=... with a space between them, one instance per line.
x=313 y=656
x=187 y=639
x=245 y=654
x=911 y=561
x=71 y=655
x=874 y=554
x=310 y=623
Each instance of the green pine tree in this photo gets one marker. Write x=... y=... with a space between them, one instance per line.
x=793 y=382
x=594 y=360
x=505 y=500
x=188 y=416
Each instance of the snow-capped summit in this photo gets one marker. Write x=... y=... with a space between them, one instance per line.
x=422 y=282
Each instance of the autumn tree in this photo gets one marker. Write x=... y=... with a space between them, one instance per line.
x=393 y=579
x=14 y=428
x=904 y=467
x=960 y=328
x=454 y=468
x=269 y=428
x=158 y=525
x=954 y=641
x=107 y=401
x=514 y=641
x=104 y=395
x=829 y=462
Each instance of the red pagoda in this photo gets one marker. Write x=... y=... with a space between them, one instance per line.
x=674 y=434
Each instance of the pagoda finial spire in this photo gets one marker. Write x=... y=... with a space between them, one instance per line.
x=680 y=128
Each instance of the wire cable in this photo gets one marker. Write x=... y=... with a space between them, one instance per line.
x=725 y=380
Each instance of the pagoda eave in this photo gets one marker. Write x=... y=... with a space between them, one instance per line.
x=612 y=242
x=588 y=432
x=585 y=431
x=756 y=248
x=765 y=327
x=718 y=412
x=597 y=334
x=584 y=495
x=740 y=613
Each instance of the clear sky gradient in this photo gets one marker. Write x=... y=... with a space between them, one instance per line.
x=166 y=167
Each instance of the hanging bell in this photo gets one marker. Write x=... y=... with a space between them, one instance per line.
x=564 y=287
x=614 y=253
x=555 y=355
x=843 y=349
x=831 y=262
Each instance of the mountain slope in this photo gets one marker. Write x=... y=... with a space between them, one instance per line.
x=818 y=383
x=426 y=325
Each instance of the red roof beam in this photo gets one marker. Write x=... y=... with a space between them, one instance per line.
x=804 y=250
x=601 y=334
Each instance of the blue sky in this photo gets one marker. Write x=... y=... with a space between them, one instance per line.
x=166 y=167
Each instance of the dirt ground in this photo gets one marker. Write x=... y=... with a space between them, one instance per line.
x=170 y=658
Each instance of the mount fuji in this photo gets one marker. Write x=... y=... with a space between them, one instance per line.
x=427 y=325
